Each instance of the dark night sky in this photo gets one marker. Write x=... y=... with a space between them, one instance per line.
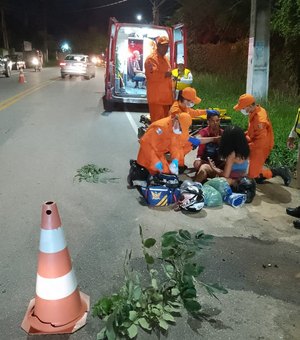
x=69 y=15
x=67 y=20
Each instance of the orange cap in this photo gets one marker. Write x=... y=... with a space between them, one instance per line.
x=244 y=101
x=162 y=40
x=190 y=94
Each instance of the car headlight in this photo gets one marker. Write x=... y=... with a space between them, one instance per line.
x=35 y=61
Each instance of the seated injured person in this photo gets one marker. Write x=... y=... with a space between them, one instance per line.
x=234 y=150
x=210 y=150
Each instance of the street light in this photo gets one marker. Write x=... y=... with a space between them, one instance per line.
x=139 y=17
x=65 y=47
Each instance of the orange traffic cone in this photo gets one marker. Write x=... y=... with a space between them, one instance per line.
x=22 y=76
x=59 y=307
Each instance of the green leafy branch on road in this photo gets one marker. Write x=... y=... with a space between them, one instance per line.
x=169 y=289
x=91 y=173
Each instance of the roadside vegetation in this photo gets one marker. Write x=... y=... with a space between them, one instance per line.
x=152 y=301
x=217 y=55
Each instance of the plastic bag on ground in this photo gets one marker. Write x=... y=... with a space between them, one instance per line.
x=212 y=197
x=236 y=200
x=220 y=184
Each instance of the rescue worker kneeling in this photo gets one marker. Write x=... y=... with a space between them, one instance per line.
x=167 y=135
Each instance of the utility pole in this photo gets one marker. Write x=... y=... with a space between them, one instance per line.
x=45 y=31
x=155 y=10
x=259 y=49
x=4 y=31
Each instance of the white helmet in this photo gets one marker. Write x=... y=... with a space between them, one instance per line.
x=191 y=196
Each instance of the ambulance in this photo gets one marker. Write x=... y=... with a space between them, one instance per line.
x=128 y=42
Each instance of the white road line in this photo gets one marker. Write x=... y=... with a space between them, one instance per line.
x=132 y=122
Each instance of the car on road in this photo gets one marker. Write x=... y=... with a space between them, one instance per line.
x=17 y=61
x=77 y=65
x=5 y=66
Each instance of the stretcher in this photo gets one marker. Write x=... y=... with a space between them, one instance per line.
x=198 y=122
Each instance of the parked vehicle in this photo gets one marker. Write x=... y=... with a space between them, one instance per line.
x=77 y=65
x=124 y=39
x=5 y=66
x=17 y=61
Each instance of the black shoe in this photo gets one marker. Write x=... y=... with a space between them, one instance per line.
x=260 y=180
x=295 y=212
x=296 y=224
x=284 y=173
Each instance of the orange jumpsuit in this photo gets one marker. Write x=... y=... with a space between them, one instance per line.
x=159 y=87
x=160 y=139
x=176 y=109
x=260 y=137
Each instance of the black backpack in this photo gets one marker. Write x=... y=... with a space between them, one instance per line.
x=138 y=175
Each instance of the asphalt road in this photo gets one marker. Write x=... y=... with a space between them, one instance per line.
x=51 y=127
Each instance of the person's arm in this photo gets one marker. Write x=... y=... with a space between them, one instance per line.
x=218 y=171
x=227 y=168
x=205 y=140
x=187 y=80
x=291 y=139
x=149 y=142
x=228 y=165
x=195 y=142
x=260 y=134
x=195 y=112
x=154 y=71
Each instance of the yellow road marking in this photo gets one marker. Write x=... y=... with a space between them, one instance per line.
x=10 y=101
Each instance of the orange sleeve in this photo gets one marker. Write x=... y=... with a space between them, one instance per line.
x=154 y=70
x=195 y=113
x=258 y=131
x=149 y=143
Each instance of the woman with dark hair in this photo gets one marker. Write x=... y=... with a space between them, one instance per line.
x=234 y=150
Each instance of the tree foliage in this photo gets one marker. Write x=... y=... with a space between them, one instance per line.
x=215 y=20
x=286 y=19
x=286 y=23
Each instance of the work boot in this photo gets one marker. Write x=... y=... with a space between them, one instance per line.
x=295 y=212
x=284 y=173
x=297 y=224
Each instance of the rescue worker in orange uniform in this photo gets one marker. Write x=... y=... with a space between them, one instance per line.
x=187 y=98
x=170 y=134
x=159 y=81
x=260 y=137
x=163 y=136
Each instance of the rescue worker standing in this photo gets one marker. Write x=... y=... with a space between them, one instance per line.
x=182 y=77
x=159 y=82
x=260 y=137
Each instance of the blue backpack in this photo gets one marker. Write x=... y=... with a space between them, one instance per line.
x=162 y=190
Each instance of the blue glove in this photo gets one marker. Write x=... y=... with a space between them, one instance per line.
x=194 y=141
x=159 y=166
x=174 y=167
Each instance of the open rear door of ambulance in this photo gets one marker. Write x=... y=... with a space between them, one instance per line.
x=179 y=45
x=110 y=65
